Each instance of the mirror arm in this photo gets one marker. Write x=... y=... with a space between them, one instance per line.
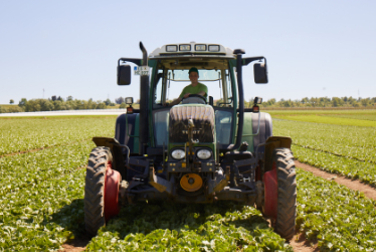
x=133 y=60
x=246 y=61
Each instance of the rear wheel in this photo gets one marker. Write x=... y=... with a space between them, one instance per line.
x=101 y=190
x=280 y=193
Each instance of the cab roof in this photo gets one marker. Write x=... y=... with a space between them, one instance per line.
x=192 y=49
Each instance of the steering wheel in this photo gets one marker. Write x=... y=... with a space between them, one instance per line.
x=196 y=95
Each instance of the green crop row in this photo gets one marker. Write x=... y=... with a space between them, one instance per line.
x=347 y=141
x=348 y=167
x=18 y=135
x=41 y=192
x=42 y=216
x=339 y=219
x=20 y=171
x=347 y=150
x=223 y=226
x=363 y=118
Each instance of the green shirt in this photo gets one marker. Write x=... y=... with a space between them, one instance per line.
x=195 y=90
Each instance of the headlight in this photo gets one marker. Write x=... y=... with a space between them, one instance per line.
x=178 y=154
x=204 y=154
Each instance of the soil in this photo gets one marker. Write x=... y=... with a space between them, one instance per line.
x=76 y=245
x=299 y=242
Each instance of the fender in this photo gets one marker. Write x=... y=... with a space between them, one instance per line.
x=272 y=143
x=117 y=153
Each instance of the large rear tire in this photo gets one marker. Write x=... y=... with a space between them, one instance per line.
x=101 y=190
x=280 y=193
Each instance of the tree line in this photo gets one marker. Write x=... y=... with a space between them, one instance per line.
x=58 y=103
x=319 y=102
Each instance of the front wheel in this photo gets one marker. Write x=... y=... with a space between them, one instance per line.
x=280 y=193
x=101 y=200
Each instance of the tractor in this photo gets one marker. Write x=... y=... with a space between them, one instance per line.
x=204 y=150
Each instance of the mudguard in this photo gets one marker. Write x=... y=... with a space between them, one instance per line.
x=255 y=134
x=127 y=131
x=265 y=130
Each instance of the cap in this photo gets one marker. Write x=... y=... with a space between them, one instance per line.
x=193 y=69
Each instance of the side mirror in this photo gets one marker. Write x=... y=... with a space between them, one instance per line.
x=124 y=75
x=260 y=73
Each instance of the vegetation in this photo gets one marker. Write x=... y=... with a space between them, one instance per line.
x=42 y=179
x=70 y=104
x=339 y=142
x=320 y=102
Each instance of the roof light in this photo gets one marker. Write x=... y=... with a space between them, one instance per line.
x=171 y=48
x=213 y=48
x=200 y=47
x=185 y=48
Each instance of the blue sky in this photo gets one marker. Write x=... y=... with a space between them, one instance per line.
x=70 y=48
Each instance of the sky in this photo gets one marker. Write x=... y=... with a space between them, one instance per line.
x=71 y=48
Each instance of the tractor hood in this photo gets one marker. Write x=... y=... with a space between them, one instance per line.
x=203 y=119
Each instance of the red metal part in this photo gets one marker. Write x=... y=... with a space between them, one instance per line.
x=111 y=192
x=271 y=192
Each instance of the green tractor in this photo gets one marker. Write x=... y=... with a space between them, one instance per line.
x=200 y=151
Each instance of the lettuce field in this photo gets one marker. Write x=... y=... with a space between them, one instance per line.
x=42 y=176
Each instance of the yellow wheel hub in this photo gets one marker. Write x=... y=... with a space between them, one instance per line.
x=191 y=182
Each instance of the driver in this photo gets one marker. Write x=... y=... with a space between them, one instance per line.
x=194 y=88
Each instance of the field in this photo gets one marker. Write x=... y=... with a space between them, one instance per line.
x=42 y=163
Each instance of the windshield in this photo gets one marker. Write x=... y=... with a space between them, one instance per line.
x=170 y=83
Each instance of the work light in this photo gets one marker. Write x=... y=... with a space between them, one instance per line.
x=184 y=48
x=171 y=48
x=213 y=48
x=200 y=47
x=204 y=154
x=178 y=154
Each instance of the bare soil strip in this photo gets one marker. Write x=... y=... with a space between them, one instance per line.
x=76 y=245
x=300 y=244
x=369 y=191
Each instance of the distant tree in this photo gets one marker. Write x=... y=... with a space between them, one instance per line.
x=365 y=102
x=22 y=103
x=123 y=105
x=46 y=105
x=119 y=100
x=11 y=101
x=70 y=98
x=58 y=105
x=60 y=99
x=32 y=105
x=337 y=102
x=107 y=102
x=101 y=106
x=53 y=98
x=15 y=109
